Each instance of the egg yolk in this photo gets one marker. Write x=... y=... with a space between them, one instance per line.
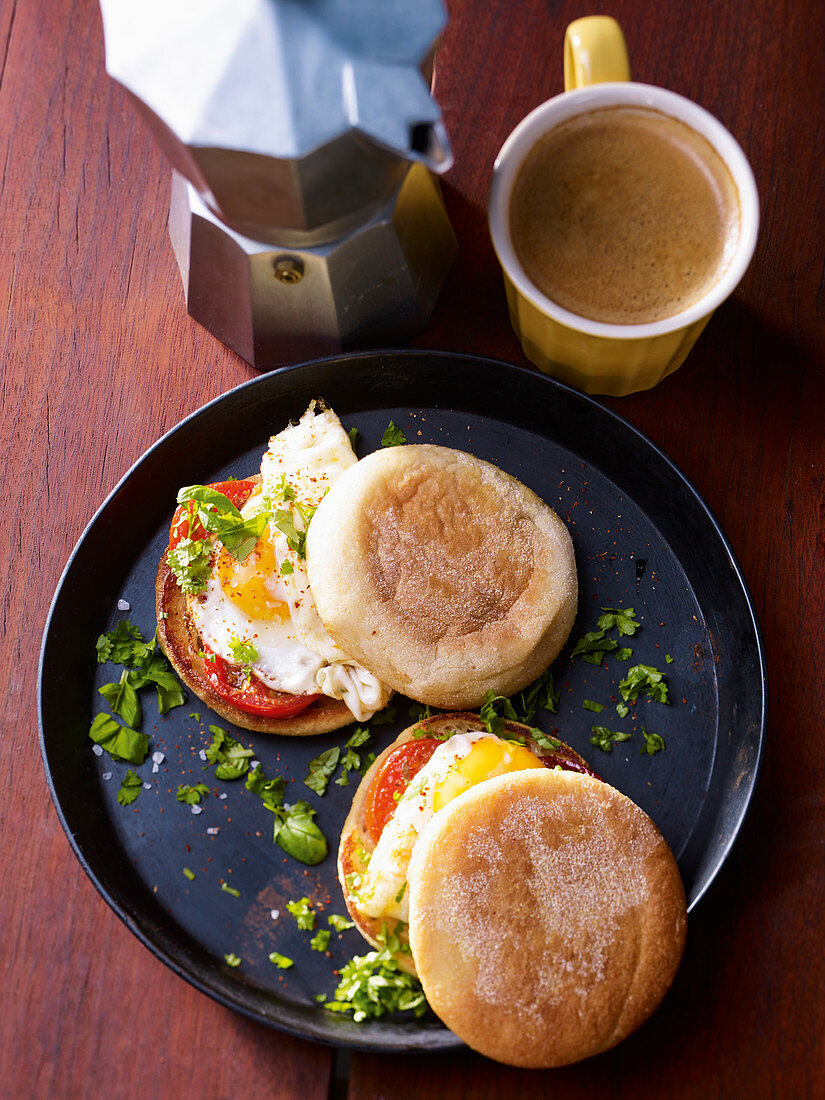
x=486 y=758
x=244 y=582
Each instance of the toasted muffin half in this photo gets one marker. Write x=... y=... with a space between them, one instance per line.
x=357 y=845
x=179 y=640
x=547 y=917
x=441 y=574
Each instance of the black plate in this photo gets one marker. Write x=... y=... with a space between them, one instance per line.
x=643 y=538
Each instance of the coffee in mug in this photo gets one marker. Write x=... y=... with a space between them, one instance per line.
x=624 y=215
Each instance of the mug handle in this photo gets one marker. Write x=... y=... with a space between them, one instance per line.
x=594 y=52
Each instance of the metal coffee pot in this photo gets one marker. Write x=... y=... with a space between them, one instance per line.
x=304 y=215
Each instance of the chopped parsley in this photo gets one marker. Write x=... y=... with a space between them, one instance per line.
x=340 y=924
x=190 y=562
x=644 y=680
x=320 y=941
x=145 y=665
x=497 y=709
x=244 y=653
x=130 y=787
x=668 y=658
x=594 y=645
x=392 y=437
x=354 y=435
x=653 y=743
x=623 y=653
x=281 y=961
x=624 y=618
x=302 y=912
x=373 y=984
x=230 y=756
x=232 y=959
x=597 y=708
x=191 y=795
x=287 y=568
x=352 y=760
x=321 y=769
x=605 y=739
x=539 y=694
x=622 y=709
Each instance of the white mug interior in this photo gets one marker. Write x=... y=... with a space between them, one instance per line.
x=581 y=101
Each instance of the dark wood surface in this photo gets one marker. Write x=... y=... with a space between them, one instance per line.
x=99 y=358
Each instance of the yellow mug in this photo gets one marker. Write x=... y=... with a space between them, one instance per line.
x=595 y=356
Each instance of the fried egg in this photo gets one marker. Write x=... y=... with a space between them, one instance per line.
x=455 y=766
x=265 y=601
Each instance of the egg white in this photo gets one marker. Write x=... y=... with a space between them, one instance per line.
x=382 y=893
x=296 y=655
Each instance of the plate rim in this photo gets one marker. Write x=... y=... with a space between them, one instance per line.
x=437 y=1039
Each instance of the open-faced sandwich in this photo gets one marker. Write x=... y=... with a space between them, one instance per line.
x=236 y=616
x=541 y=909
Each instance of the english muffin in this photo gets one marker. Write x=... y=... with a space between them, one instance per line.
x=546 y=917
x=441 y=574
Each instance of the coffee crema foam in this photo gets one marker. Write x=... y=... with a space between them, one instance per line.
x=624 y=215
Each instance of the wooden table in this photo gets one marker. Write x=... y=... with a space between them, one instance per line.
x=100 y=358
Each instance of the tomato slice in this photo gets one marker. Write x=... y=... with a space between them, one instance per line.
x=393 y=778
x=249 y=694
x=237 y=491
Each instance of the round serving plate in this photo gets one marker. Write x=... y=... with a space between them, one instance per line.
x=643 y=539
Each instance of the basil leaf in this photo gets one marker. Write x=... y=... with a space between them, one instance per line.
x=119 y=741
x=203 y=494
x=299 y=836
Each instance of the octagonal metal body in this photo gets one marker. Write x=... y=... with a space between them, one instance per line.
x=375 y=285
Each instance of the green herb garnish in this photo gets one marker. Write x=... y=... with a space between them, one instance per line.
x=244 y=653
x=597 y=708
x=320 y=941
x=294 y=830
x=231 y=757
x=373 y=984
x=653 y=743
x=191 y=795
x=340 y=924
x=119 y=741
x=188 y=874
x=227 y=889
x=190 y=562
x=392 y=437
x=122 y=697
x=539 y=694
x=352 y=760
x=281 y=961
x=321 y=769
x=605 y=739
x=130 y=787
x=354 y=435
x=644 y=680
x=232 y=959
x=302 y=912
